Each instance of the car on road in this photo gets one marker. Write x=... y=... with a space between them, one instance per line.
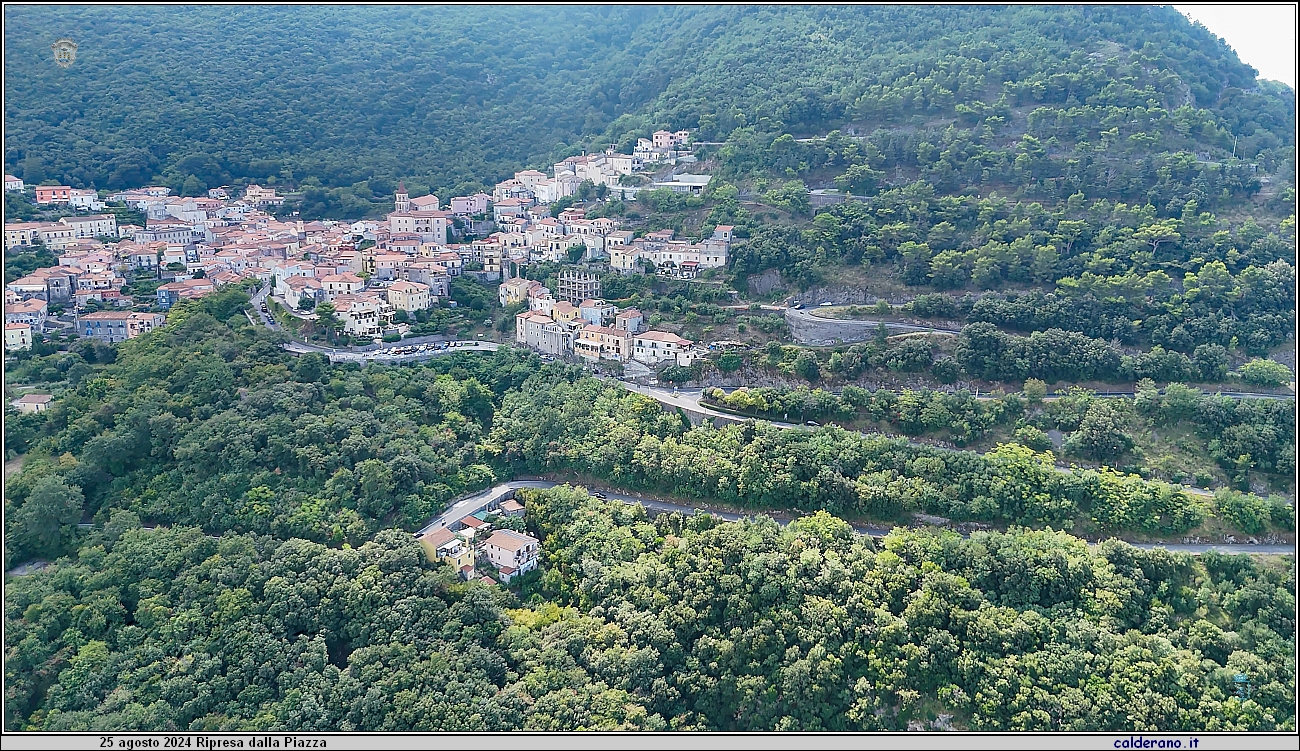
x=812 y=424
x=600 y=495
x=827 y=304
x=796 y=306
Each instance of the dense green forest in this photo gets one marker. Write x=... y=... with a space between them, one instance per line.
x=1241 y=435
x=451 y=97
x=274 y=479
x=207 y=422
x=672 y=623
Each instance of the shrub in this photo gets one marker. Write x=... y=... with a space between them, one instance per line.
x=1259 y=372
x=1033 y=438
x=1249 y=513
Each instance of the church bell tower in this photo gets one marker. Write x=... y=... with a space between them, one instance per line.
x=401 y=202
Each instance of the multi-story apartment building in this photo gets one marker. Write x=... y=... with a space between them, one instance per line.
x=336 y=285
x=542 y=333
x=576 y=285
x=602 y=343
x=654 y=347
x=32 y=312
x=94 y=225
x=514 y=554
x=363 y=315
x=110 y=326
x=408 y=296
x=53 y=194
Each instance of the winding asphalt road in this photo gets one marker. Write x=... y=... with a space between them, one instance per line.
x=690 y=400
x=258 y=300
x=479 y=501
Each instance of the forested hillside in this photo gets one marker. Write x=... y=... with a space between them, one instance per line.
x=210 y=430
x=676 y=623
x=458 y=96
x=1052 y=196
x=208 y=423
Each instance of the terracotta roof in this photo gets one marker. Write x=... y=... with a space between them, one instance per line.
x=26 y=306
x=592 y=328
x=510 y=540
x=439 y=537
x=663 y=336
x=107 y=315
x=342 y=278
x=295 y=282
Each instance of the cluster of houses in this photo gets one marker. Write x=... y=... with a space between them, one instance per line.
x=588 y=327
x=369 y=270
x=526 y=233
x=87 y=270
x=198 y=244
x=465 y=542
x=65 y=233
x=184 y=245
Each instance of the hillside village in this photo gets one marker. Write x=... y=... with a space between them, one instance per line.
x=119 y=281
x=377 y=275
